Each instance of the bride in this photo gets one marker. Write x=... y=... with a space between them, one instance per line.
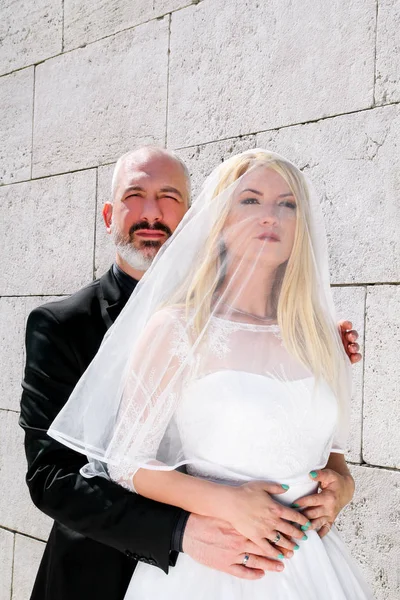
x=227 y=361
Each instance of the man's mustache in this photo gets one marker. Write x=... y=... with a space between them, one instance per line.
x=155 y=226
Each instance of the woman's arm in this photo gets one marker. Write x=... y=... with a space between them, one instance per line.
x=178 y=489
x=249 y=508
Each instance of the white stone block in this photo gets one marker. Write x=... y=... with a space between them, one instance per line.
x=202 y=160
x=238 y=67
x=29 y=32
x=13 y=315
x=381 y=443
x=105 y=249
x=354 y=162
x=47 y=235
x=12 y=321
x=350 y=306
x=165 y=6
x=6 y=562
x=370 y=527
x=16 y=102
x=27 y=557
x=85 y=22
x=95 y=103
x=16 y=508
x=387 y=86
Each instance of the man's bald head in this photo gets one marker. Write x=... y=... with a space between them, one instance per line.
x=141 y=155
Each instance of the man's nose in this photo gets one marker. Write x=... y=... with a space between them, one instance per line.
x=151 y=210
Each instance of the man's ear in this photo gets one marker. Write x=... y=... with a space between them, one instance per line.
x=107 y=215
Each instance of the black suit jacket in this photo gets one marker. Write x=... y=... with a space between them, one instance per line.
x=100 y=529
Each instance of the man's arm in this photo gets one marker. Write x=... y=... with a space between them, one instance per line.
x=97 y=508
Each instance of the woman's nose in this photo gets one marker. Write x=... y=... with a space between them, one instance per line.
x=269 y=215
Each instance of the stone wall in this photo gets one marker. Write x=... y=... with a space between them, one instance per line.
x=81 y=83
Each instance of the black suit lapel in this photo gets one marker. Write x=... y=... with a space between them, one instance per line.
x=111 y=297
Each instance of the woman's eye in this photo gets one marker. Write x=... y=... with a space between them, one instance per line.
x=288 y=204
x=250 y=201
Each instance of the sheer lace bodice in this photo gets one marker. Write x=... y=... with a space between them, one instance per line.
x=244 y=409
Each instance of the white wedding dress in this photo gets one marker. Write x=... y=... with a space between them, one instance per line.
x=252 y=412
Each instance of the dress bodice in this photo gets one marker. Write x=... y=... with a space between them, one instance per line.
x=238 y=406
x=250 y=409
x=235 y=424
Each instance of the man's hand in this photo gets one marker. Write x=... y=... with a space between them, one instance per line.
x=214 y=543
x=322 y=509
x=349 y=339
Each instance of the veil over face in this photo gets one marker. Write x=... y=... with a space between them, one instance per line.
x=262 y=213
x=241 y=286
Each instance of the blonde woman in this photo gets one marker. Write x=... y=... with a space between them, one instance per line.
x=227 y=361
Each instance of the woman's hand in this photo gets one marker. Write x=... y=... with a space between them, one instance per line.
x=258 y=517
x=322 y=509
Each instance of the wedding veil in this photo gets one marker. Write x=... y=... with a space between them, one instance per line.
x=249 y=255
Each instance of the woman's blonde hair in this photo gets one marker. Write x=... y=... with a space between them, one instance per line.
x=306 y=328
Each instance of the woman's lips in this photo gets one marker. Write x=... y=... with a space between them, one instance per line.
x=270 y=237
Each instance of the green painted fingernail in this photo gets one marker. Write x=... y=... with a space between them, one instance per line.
x=306 y=526
x=314 y=474
x=304 y=538
x=295 y=505
x=296 y=547
x=285 y=487
x=280 y=556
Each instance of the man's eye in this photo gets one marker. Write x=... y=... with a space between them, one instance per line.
x=250 y=201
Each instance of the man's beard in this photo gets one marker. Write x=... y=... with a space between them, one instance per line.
x=141 y=255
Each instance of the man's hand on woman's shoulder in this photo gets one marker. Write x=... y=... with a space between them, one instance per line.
x=349 y=338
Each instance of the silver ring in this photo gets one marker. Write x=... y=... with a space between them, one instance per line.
x=328 y=525
x=276 y=538
x=245 y=560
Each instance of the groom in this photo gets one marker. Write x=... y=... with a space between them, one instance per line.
x=100 y=529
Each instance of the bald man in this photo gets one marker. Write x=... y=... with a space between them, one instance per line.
x=101 y=530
